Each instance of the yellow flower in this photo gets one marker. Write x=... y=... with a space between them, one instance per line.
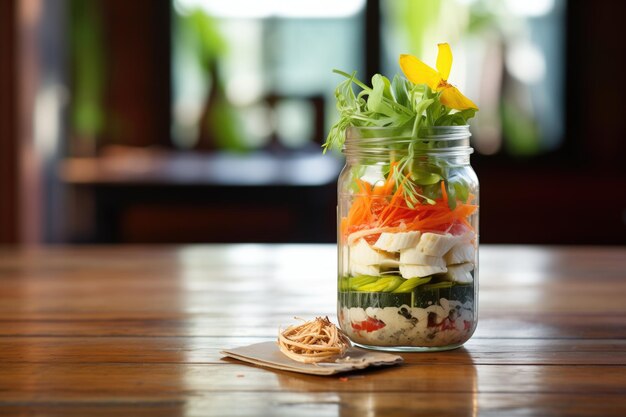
x=419 y=73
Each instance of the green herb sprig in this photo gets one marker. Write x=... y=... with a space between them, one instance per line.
x=398 y=103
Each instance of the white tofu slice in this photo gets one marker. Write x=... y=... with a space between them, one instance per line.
x=395 y=242
x=467 y=237
x=362 y=253
x=459 y=273
x=358 y=269
x=435 y=244
x=413 y=271
x=390 y=263
x=460 y=253
x=413 y=256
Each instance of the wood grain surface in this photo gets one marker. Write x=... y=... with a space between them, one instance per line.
x=137 y=331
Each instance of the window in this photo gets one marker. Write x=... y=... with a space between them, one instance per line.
x=250 y=75
x=508 y=55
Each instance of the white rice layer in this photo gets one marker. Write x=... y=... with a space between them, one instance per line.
x=451 y=322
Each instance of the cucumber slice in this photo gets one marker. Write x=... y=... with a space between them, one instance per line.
x=373 y=299
x=425 y=295
x=438 y=285
x=385 y=283
x=358 y=281
x=394 y=284
x=420 y=296
x=411 y=283
x=382 y=284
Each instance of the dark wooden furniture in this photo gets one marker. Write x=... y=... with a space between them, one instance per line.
x=138 y=330
x=147 y=196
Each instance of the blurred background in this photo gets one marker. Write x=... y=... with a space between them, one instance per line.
x=169 y=121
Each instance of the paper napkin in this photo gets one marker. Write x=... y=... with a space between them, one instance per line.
x=267 y=354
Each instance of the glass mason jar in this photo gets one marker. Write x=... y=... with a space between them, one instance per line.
x=408 y=239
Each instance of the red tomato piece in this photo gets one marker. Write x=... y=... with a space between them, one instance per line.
x=369 y=325
x=446 y=324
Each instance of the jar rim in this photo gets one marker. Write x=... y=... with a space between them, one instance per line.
x=447 y=139
x=431 y=132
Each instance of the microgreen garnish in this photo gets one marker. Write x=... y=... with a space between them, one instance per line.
x=423 y=99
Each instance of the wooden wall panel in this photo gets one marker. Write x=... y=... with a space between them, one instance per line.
x=20 y=165
x=8 y=124
x=137 y=67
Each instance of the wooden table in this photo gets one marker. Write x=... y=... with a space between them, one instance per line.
x=138 y=330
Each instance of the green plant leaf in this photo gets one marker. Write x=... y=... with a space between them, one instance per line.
x=451 y=195
x=375 y=97
x=455 y=119
x=399 y=90
x=400 y=103
x=425 y=177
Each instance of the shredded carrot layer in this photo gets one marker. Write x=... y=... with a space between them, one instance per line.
x=378 y=206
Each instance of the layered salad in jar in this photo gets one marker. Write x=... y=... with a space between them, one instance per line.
x=408 y=210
